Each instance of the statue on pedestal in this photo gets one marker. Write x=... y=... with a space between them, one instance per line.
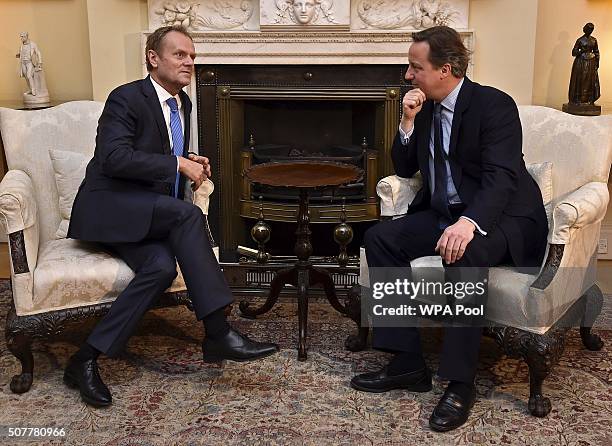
x=584 y=82
x=30 y=67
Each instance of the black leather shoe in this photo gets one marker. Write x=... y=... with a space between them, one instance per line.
x=380 y=381
x=236 y=347
x=85 y=377
x=451 y=412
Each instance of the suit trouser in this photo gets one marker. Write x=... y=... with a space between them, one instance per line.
x=395 y=243
x=176 y=235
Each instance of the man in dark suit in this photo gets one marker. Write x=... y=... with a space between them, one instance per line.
x=131 y=202
x=478 y=207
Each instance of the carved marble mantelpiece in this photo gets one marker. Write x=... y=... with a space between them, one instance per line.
x=312 y=48
x=305 y=32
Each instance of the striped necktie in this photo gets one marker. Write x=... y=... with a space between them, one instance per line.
x=177 y=136
x=439 y=197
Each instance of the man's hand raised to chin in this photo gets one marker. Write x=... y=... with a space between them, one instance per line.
x=454 y=240
x=411 y=105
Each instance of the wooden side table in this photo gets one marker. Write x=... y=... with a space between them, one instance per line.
x=304 y=176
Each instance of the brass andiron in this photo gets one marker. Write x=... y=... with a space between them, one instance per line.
x=364 y=153
x=260 y=233
x=343 y=235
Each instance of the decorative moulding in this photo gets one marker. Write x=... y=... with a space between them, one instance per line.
x=205 y=15
x=405 y=15
x=308 y=15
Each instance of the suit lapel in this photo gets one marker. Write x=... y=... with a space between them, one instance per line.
x=462 y=104
x=153 y=101
x=187 y=115
x=463 y=101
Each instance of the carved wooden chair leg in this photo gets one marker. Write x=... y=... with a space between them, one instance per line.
x=356 y=342
x=539 y=405
x=20 y=345
x=542 y=352
x=593 y=304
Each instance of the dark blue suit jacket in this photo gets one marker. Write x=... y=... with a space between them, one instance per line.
x=132 y=165
x=486 y=161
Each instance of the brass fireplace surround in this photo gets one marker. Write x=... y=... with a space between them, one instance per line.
x=223 y=90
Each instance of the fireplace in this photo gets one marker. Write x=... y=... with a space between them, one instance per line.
x=248 y=114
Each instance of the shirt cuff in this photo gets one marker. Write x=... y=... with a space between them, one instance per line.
x=475 y=224
x=405 y=137
x=177 y=164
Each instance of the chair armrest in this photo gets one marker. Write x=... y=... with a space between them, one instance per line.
x=396 y=194
x=584 y=206
x=19 y=216
x=17 y=202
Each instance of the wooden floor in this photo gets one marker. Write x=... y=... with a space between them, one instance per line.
x=604 y=269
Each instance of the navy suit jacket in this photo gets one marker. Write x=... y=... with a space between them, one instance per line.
x=486 y=162
x=132 y=165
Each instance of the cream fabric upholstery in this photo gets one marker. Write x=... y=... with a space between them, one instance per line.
x=580 y=208
x=569 y=157
x=71 y=274
x=69 y=169
x=396 y=194
x=63 y=273
x=29 y=135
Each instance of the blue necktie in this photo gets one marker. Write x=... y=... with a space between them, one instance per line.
x=177 y=136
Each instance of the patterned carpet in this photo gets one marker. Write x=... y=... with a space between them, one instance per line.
x=165 y=395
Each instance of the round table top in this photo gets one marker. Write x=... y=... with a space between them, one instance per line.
x=303 y=174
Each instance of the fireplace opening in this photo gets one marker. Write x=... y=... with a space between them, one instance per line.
x=273 y=113
x=281 y=131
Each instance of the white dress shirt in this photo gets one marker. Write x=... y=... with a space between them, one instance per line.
x=163 y=96
x=448 y=110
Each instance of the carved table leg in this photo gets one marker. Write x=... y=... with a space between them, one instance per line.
x=302 y=291
x=283 y=277
x=322 y=277
x=356 y=342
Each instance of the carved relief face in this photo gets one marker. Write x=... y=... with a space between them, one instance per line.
x=24 y=37
x=304 y=10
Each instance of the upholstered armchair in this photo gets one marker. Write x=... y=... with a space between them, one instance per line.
x=55 y=280
x=569 y=157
